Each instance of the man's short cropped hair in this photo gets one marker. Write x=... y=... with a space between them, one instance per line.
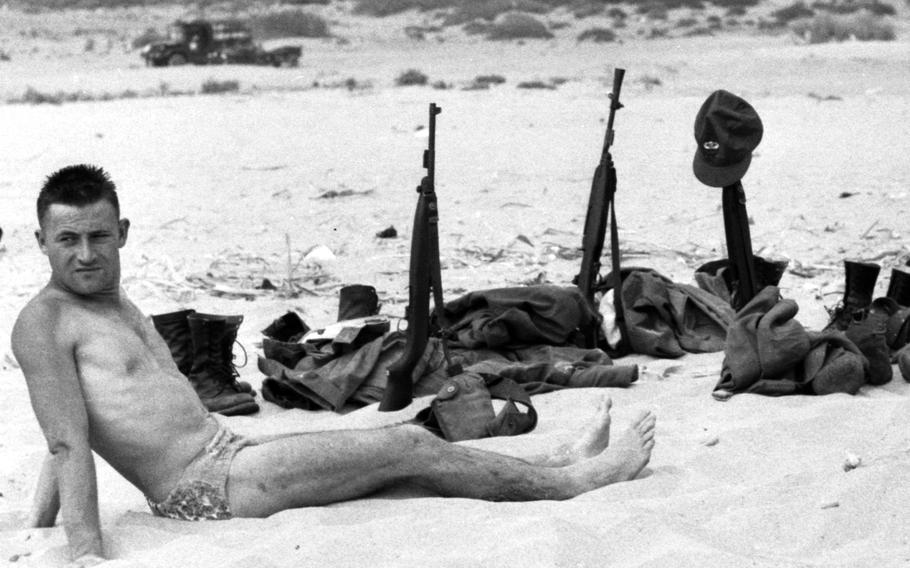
x=77 y=185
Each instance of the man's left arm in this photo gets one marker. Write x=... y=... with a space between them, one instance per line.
x=47 y=359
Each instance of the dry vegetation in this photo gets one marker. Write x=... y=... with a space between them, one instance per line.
x=589 y=21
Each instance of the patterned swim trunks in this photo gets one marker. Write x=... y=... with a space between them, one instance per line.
x=201 y=493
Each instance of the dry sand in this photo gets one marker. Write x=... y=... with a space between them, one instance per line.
x=225 y=189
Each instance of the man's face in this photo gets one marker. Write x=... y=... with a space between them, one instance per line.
x=83 y=247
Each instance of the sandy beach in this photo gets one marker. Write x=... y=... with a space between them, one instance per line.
x=226 y=190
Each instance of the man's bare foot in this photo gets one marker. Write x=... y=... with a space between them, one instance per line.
x=590 y=443
x=597 y=438
x=624 y=458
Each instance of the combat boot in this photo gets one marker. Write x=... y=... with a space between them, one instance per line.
x=357 y=301
x=860 y=285
x=174 y=329
x=213 y=374
x=867 y=330
x=281 y=341
x=899 y=286
x=903 y=362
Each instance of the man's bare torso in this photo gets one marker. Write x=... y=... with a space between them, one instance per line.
x=145 y=419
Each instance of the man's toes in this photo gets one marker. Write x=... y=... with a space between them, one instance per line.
x=647 y=436
x=644 y=420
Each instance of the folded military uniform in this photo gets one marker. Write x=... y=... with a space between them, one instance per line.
x=768 y=352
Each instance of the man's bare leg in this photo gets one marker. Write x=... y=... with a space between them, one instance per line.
x=591 y=442
x=328 y=467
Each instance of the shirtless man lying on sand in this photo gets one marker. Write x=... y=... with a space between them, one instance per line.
x=101 y=378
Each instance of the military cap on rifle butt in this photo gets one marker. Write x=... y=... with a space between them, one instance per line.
x=727 y=130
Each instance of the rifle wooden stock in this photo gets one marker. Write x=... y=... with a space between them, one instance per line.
x=424 y=249
x=739 y=244
x=600 y=206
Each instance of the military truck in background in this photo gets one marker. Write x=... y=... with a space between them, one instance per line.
x=204 y=42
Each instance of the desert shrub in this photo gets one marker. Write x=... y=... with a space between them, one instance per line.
x=734 y=3
x=33 y=96
x=686 y=22
x=850 y=7
x=828 y=27
x=587 y=9
x=351 y=84
x=597 y=35
x=214 y=87
x=736 y=11
x=382 y=8
x=35 y=6
x=483 y=82
x=656 y=13
x=654 y=5
x=792 y=12
x=289 y=23
x=468 y=11
x=699 y=31
x=617 y=14
x=489 y=80
x=411 y=77
x=516 y=25
x=419 y=33
x=535 y=85
x=649 y=81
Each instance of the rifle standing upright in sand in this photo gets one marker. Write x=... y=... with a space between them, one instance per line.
x=424 y=274
x=600 y=205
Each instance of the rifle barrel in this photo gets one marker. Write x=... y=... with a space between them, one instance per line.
x=615 y=105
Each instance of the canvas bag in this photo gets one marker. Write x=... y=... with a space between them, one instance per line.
x=463 y=409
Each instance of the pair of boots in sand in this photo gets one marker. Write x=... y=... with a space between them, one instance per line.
x=202 y=346
x=880 y=328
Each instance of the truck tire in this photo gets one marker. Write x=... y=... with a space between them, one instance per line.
x=176 y=59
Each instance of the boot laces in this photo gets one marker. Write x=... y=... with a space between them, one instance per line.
x=224 y=367
x=842 y=316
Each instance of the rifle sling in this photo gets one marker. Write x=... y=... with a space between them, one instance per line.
x=452 y=369
x=620 y=348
